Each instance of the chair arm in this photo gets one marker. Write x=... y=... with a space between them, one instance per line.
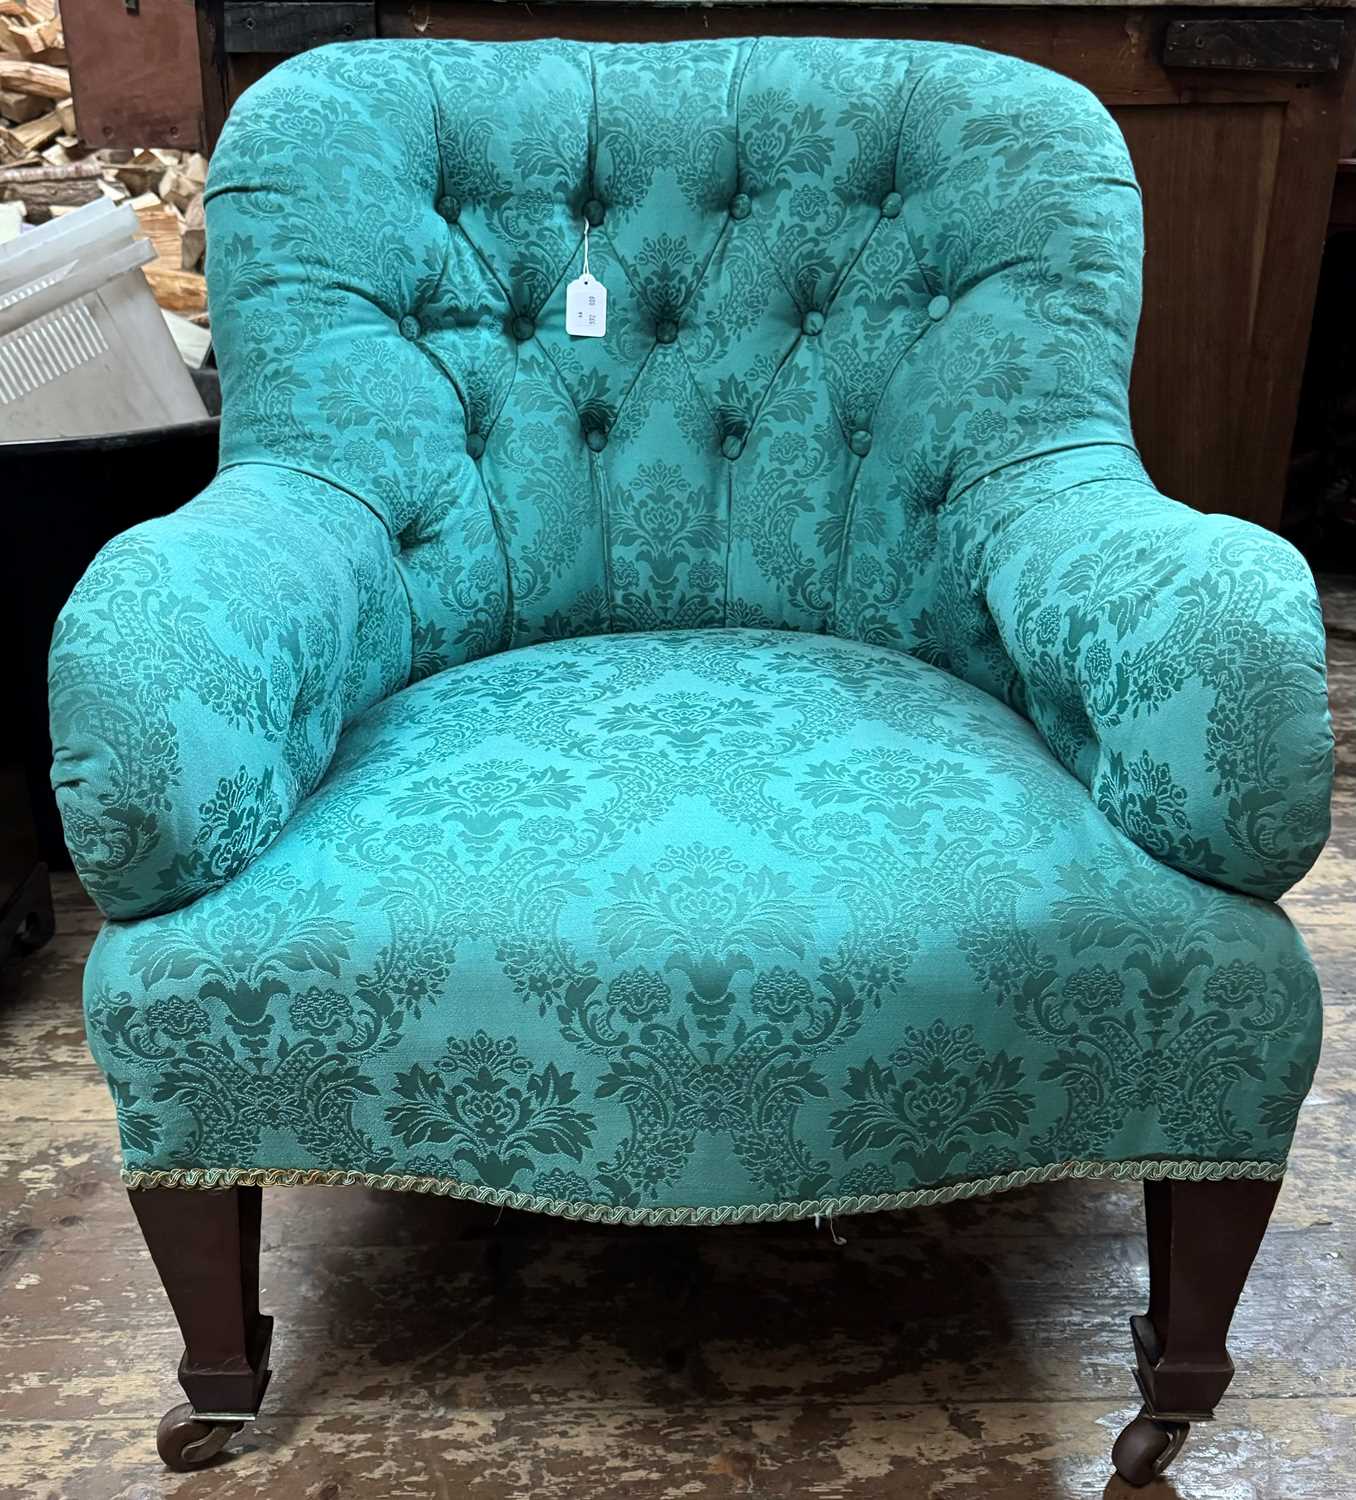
x=200 y=675
x=1173 y=661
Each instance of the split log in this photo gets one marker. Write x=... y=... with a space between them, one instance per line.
x=18 y=176
x=193 y=243
x=20 y=107
x=34 y=78
x=27 y=139
x=43 y=188
x=40 y=198
x=179 y=291
x=160 y=225
x=138 y=175
x=18 y=40
x=178 y=188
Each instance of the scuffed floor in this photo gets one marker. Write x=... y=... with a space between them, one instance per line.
x=430 y=1348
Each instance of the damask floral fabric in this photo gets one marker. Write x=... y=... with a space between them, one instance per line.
x=554 y=766
x=702 y=918
x=201 y=673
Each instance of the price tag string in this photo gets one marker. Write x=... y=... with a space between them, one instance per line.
x=586 y=301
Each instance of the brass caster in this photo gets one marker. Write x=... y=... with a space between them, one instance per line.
x=186 y=1442
x=1147 y=1447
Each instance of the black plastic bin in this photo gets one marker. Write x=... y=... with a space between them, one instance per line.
x=62 y=499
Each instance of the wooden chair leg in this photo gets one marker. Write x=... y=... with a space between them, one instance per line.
x=1203 y=1238
x=205 y=1245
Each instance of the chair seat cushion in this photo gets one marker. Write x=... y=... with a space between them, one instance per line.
x=697 y=925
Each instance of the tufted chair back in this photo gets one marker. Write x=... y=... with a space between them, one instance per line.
x=847 y=281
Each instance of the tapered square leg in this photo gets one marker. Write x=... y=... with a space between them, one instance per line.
x=1203 y=1238
x=205 y=1245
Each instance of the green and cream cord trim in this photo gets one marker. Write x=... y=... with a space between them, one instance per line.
x=748 y=1213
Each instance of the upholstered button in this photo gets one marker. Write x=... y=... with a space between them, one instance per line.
x=812 y=323
x=860 y=442
x=666 y=331
x=475 y=444
x=740 y=206
x=523 y=328
x=890 y=206
x=450 y=209
x=409 y=327
x=594 y=212
x=938 y=308
x=596 y=438
x=732 y=445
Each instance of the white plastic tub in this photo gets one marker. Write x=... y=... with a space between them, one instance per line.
x=83 y=346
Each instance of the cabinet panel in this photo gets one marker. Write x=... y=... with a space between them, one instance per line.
x=137 y=71
x=1208 y=175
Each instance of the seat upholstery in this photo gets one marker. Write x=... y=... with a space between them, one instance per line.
x=861 y=408
x=703 y=918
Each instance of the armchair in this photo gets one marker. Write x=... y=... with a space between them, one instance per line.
x=779 y=758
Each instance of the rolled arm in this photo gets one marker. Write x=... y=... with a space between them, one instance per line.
x=200 y=675
x=1173 y=661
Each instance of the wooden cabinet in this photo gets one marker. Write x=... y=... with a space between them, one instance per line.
x=1234 y=117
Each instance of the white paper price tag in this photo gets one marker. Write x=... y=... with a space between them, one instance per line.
x=586 y=307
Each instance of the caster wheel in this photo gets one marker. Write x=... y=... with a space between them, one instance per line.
x=1147 y=1447
x=184 y=1442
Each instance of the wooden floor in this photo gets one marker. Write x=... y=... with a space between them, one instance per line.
x=427 y=1348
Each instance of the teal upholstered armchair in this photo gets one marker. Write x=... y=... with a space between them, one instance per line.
x=779 y=758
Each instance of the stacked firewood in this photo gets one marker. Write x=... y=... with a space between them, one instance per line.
x=47 y=170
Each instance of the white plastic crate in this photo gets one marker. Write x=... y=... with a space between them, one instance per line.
x=83 y=346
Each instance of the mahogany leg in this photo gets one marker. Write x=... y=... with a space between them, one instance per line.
x=205 y=1245
x=1203 y=1238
